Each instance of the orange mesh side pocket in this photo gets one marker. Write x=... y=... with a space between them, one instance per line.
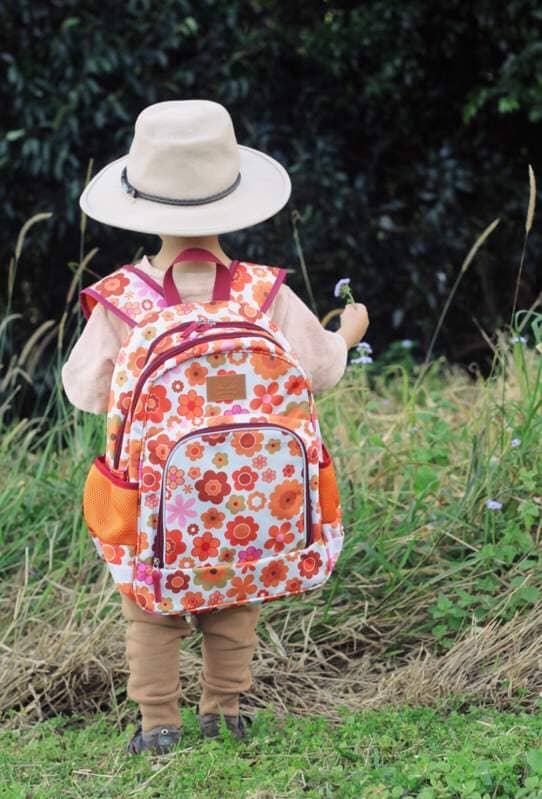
x=110 y=505
x=329 y=492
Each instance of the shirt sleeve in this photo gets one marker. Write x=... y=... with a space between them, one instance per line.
x=322 y=353
x=86 y=375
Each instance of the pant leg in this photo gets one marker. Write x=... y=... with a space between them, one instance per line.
x=152 y=653
x=229 y=641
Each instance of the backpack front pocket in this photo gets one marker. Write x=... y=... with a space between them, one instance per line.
x=110 y=505
x=233 y=494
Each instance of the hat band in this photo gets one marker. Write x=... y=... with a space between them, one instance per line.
x=129 y=189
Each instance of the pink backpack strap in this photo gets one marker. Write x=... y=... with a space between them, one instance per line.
x=256 y=284
x=128 y=292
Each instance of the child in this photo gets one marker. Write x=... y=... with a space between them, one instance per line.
x=187 y=180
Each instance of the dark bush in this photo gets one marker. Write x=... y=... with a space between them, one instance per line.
x=406 y=127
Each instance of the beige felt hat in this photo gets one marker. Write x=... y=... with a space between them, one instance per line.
x=186 y=175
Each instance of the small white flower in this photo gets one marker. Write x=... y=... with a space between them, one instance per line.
x=492 y=504
x=414 y=429
x=339 y=290
x=515 y=442
x=518 y=340
x=407 y=343
x=362 y=359
x=364 y=345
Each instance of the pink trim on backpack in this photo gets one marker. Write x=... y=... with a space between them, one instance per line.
x=109 y=305
x=276 y=286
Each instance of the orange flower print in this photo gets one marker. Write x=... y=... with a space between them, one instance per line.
x=314 y=482
x=286 y=499
x=273 y=445
x=123 y=402
x=256 y=501
x=210 y=577
x=186 y=563
x=121 y=378
x=159 y=449
x=150 y=479
x=274 y=573
x=260 y=292
x=196 y=374
x=213 y=518
x=215 y=598
x=112 y=553
x=192 y=600
x=295 y=384
x=269 y=475
x=151 y=501
x=248 y=311
x=241 y=531
x=192 y=529
x=177 y=386
x=213 y=486
x=214 y=438
x=194 y=472
x=136 y=360
x=216 y=359
x=237 y=357
x=114 y=285
x=227 y=554
x=190 y=405
x=143 y=543
x=175 y=545
x=212 y=410
x=235 y=503
x=194 y=451
x=242 y=587
x=288 y=470
x=144 y=598
x=166 y=605
x=293 y=586
x=240 y=278
x=247 y=442
x=205 y=546
x=309 y=564
x=244 y=479
x=175 y=477
x=149 y=333
x=279 y=537
x=220 y=459
x=313 y=455
x=266 y=397
x=259 y=461
x=157 y=404
x=294 y=447
x=269 y=366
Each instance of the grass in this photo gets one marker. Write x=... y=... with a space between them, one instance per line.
x=434 y=606
x=393 y=753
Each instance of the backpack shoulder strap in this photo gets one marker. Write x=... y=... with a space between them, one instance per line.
x=128 y=292
x=256 y=284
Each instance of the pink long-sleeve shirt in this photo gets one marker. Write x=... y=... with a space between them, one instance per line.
x=86 y=375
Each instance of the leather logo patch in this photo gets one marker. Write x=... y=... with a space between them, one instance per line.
x=225 y=388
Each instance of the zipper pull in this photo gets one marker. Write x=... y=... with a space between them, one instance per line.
x=190 y=329
x=157 y=578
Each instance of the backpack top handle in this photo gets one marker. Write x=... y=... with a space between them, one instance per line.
x=222 y=286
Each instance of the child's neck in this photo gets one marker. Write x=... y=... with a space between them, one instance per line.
x=172 y=246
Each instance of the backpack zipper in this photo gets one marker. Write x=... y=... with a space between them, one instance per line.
x=177 y=350
x=158 y=544
x=202 y=325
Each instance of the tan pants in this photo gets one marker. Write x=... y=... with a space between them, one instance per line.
x=152 y=653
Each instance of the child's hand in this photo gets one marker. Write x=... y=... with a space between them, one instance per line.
x=354 y=323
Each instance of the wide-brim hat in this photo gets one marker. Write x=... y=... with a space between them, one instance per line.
x=186 y=175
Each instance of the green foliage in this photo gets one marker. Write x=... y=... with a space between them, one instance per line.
x=393 y=753
x=406 y=128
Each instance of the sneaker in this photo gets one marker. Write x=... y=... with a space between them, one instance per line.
x=159 y=740
x=210 y=725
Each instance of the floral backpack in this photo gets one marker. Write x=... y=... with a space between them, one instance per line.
x=215 y=488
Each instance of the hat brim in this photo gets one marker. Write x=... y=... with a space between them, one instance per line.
x=264 y=189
